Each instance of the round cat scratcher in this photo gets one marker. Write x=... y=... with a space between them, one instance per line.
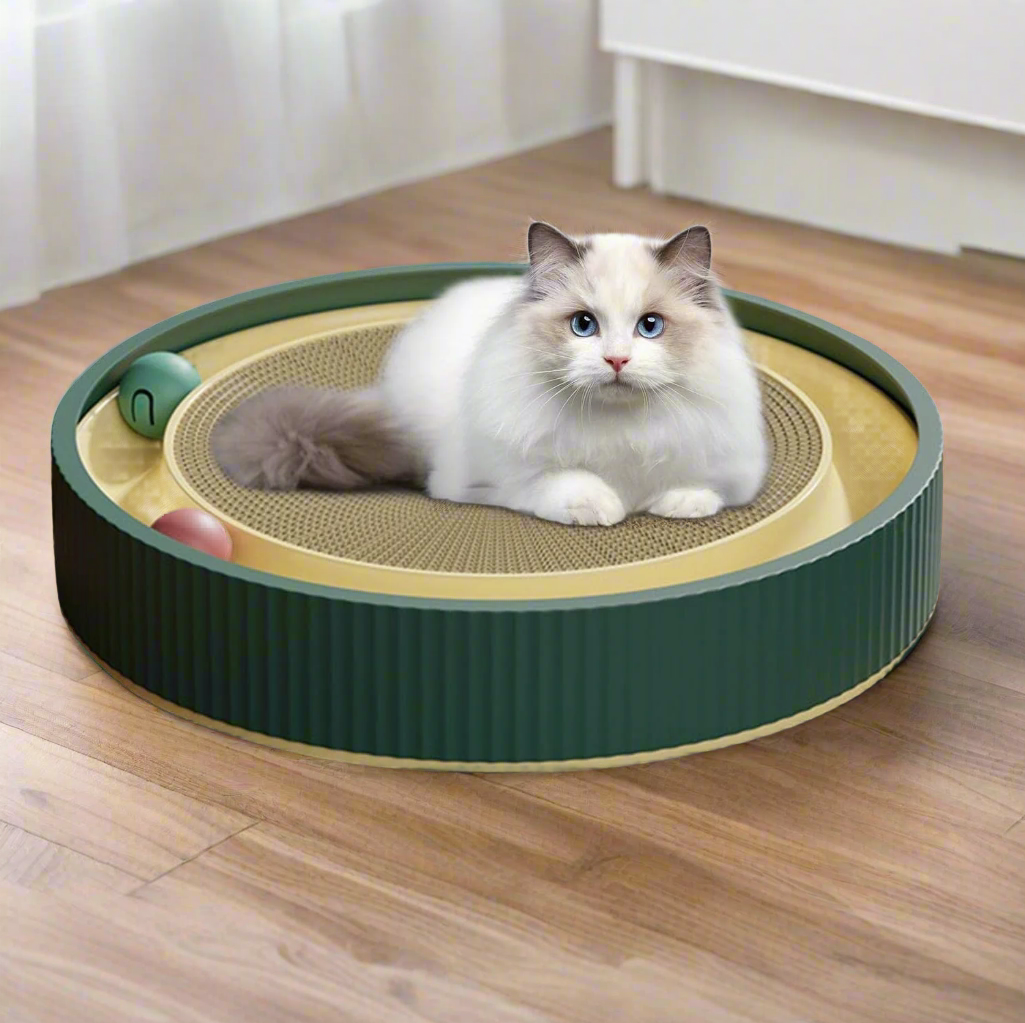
x=383 y=627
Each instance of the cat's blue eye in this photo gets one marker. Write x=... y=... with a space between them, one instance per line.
x=651 y=325
x=583 y=324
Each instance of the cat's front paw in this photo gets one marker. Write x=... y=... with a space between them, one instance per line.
x=580 y=499
x=687 y=503
x=594 y=510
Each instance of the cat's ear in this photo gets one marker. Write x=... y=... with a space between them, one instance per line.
x=689 y=256
x=550 y=253
x=547 y=244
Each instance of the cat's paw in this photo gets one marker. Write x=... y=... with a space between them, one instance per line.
x=687 y=503
x=580 y=499
x=594 y=510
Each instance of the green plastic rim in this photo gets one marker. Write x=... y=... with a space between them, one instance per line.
x=488 y=685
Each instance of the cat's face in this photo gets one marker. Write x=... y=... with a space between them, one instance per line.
x=619 y=316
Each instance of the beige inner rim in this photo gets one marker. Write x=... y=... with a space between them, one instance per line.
x=406 y=529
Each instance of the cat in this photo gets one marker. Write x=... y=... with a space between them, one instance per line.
x=610 y=379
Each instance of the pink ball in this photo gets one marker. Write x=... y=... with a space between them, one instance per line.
x=197 y=529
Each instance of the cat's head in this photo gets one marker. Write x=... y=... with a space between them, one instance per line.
x=618 y=315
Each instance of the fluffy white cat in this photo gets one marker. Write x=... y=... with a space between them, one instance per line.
x=610 y=379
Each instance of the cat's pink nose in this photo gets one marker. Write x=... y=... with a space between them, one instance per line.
x=616 y=364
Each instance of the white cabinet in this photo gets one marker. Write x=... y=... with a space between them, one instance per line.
x=902 y=120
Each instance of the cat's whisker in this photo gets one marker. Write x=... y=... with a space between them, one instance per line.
x=699 y=394
x=665 y=395
x=554 y=385
x=562 y=409
x=530 y=374
x=661 y=397
x=582 y=405
x=558 y=391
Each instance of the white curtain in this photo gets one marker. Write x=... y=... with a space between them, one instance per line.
x=129 y=128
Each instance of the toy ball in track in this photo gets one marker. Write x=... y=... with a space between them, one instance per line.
x=383 y=627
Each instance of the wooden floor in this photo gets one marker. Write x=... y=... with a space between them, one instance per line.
x=868 y=866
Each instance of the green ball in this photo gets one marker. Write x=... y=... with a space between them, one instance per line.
x=151 y=390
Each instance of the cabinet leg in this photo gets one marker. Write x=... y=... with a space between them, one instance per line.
x=630 y=160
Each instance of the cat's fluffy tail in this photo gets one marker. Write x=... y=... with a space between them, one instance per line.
x=291 y=437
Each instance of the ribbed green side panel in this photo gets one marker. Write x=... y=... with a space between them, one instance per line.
x=497 y=684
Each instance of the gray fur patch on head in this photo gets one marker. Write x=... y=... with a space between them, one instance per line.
x=551 y=254
x=688 y=256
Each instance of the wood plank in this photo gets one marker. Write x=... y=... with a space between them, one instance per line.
x=582 y=906
x=32 y=862
x=893 y=895
x=207 y=966
x=101 y=811
x=32 y=627
x=953 y=719
x=977 y=528
x=466 y=911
